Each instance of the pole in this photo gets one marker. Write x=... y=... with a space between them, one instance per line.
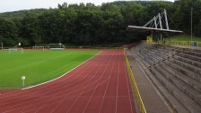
x=23 y=83
x=159 y=17
x=23 y=78
x=191 y=22
x=166 y=20
x=1 y=45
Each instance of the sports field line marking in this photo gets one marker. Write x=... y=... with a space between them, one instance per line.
x=51 y=98
x=117 y=91
x=100 y=108
x=59 y=76
x=83 y=91
x=92 y=56
x=74 y=90
x=98 y=84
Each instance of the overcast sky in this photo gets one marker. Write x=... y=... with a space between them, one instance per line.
x=14 y=5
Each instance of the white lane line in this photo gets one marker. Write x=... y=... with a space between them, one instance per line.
x=35 y=101
x=107 y=86
x=117 y=90
x=59 y=76
x=80 y=94
x=71 y=90
x=96 y=86
x=79 y=85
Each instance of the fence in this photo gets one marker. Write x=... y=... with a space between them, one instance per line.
x=139 y=101
x=186 y=43
x=181 y=43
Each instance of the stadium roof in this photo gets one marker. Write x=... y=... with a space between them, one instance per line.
x=150 y=29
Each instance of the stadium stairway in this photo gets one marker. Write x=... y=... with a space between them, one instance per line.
x=175 y=72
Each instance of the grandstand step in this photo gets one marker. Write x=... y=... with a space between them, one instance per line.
x=191 y=52
x=177 y=71
x=155 y=104
x=182 y=97
x=185 y=71
x=194 y=58
x=195 y=63
x=140 y=58
x=187 y=66
x=172 y=101
x=192 y=93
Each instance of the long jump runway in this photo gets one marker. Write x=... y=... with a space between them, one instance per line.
x=100 y=85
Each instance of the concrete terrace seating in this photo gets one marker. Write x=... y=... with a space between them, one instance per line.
x=176 y=73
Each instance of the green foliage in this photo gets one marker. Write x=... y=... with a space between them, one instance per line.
x=19 y=14
x=37 y=66
x=89 y=25
x=185 y=38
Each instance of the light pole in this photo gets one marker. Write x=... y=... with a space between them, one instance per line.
x=2 y=45
x=19 y=44
x=191 y=22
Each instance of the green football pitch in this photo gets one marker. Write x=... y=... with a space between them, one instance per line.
x=37 y=66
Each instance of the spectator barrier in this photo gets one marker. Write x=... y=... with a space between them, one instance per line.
x=139 y=101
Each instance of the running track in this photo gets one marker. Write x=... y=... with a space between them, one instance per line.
x=100 y=85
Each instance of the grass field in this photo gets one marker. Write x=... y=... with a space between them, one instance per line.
x=37 y=66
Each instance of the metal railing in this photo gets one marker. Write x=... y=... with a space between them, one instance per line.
x=186 y=43
x=139 y=101
x=193 y=44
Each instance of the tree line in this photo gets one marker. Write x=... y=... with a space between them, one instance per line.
x=90 y=25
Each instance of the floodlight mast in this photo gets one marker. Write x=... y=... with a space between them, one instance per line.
x=19 y=44
x=191 y=23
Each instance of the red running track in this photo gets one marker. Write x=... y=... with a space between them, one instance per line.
x=100 y=85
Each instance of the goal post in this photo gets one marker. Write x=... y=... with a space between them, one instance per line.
x=38 y=47
x=15 y=50
x=56 y=46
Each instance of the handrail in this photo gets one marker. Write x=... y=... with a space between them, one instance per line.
x=139 y=101
x=185 y=43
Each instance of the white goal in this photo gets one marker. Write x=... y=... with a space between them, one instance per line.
x=15 y=50
x=56 y=46
x=38 y=47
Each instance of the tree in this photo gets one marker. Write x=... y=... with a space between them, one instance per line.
x=31 y=29
x=8 y=32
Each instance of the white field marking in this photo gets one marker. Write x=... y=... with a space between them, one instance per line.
x=106 y=86
x=117 y=91
x=88 y=84
x=80 y=95
x=59 y=76
x=34 y=92
x=71 y=91
x=98 y=84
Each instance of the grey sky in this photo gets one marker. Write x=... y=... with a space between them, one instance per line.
x=14 y=5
